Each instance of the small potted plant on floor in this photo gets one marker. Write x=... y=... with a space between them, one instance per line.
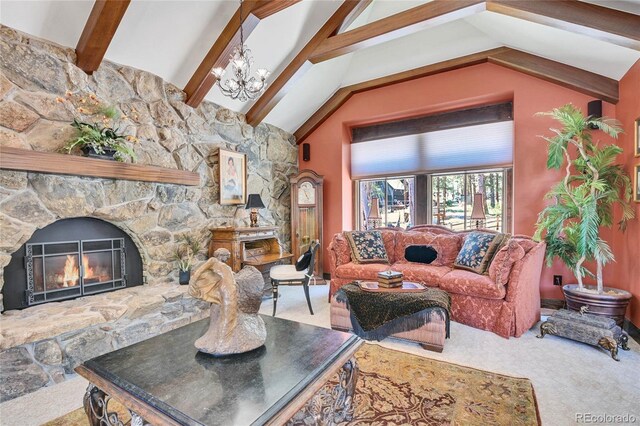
x=186 y=253
x=96 y=134
x=584 y=202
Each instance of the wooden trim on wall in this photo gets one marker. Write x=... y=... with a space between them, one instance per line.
x=434 y=122
x=344 y=94
x=48 y=162
x=98 y=32
x=567 y=76
x=277 y=89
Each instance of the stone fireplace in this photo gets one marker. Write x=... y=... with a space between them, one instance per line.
x=96 y=311
x=71 y=258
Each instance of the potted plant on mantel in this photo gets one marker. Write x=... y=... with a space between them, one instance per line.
x=99 y=138
x=186 y=254
x=584 y=203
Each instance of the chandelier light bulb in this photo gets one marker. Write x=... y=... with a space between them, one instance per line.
x=218 y=72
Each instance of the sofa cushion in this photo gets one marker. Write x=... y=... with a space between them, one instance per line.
x=358 y=271
x=428 y=275
x=478 y=251
x=504 y=260
x=447 y=245
x=420 y=254
x=367 y=247
x=468 y=283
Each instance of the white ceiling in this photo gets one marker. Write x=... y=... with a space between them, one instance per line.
x=170 y=38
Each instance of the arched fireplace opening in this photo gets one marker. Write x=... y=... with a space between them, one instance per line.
x=71 y=258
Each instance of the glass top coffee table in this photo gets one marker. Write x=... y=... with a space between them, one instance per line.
x=165 y=380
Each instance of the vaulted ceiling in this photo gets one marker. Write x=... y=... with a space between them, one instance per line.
x=180 y=40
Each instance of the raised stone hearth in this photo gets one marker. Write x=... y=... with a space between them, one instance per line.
x=42 y=345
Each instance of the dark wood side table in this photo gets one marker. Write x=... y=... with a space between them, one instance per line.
x=165 y=380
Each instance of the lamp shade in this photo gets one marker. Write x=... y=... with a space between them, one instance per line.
x=478 y=207
x=254 y=202
x=374 y=212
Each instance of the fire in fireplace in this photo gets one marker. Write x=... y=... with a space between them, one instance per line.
x=72 y=268
x=68 y=259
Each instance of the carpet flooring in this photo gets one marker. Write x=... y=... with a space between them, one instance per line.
x=569 y=378
x=399 y=388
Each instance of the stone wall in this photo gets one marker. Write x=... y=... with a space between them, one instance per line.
x=36 y=72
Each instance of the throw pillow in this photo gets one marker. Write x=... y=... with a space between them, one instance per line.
x=503 y=262
x=447 y=245
x=478 y=251
x=367 y=247
x=420 y=254
x=303 y=261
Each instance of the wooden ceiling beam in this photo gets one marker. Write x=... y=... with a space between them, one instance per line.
x=359 y=9
x=98 y=32
x=428 y=15
x=267 y=8
x=602 y=23
x=277 y=89
x=564 y=75
x=218 y=56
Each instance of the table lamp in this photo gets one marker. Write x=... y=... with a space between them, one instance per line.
x=374 y=220
x=477 y=213
x=254 y=202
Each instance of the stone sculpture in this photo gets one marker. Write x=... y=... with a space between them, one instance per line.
x=235 y=326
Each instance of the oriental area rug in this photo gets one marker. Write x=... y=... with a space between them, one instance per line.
x=397 y=388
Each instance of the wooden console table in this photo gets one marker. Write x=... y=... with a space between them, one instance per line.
x=166 y=381
x=258 y=247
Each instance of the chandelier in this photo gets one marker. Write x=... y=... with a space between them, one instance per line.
x=241 y=86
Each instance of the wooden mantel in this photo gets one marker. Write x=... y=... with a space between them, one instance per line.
x=48 y=162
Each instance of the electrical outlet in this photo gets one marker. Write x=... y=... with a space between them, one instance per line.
x=557 y=280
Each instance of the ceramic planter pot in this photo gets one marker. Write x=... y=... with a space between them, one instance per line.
x=109 y=154
x=184 y=277
x=612 y=303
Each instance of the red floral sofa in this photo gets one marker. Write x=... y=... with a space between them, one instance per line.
x=505 y=301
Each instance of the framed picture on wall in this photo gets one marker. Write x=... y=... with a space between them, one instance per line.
x=637 y=131
x=233 y=177
x=636 y=183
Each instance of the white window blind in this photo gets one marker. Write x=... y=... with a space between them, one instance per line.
x=485 y=145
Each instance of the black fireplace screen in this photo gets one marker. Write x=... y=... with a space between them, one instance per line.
x=64 y=270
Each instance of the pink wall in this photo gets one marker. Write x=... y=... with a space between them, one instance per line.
x=627 y=246
x=453 y=90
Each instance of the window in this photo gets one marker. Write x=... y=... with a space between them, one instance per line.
x=385 y=202
x=453 y=197
x=447 y=160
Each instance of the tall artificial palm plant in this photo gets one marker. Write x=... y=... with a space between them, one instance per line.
x=584 y=200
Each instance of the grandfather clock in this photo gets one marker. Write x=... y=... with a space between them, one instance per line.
x=306 y=215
